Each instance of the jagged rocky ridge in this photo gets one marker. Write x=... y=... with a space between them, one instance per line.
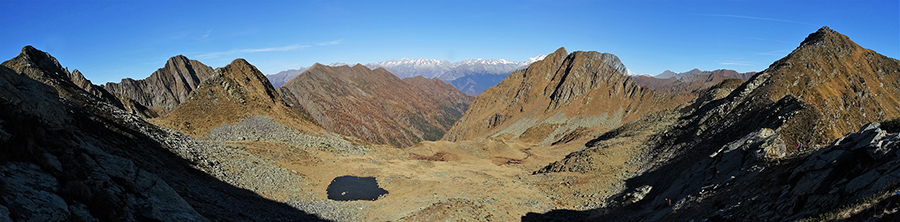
x=739 y=156
x=165 y=88
x=234 y=92
x=105 y=163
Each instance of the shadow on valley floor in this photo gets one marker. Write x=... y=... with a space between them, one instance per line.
x=703 y=132
x=211 y=197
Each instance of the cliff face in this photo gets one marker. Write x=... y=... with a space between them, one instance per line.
x=556 y=97
x=375 y=105
x=166 y=88
x=232 y=93
x=68 y=155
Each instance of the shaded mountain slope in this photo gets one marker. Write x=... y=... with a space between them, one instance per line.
x=104 y=163
x=375 y=105
x=559 y=98
x=737 y=157
x=232 y=93
x=166 y=87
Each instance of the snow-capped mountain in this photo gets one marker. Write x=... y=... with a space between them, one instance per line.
x=428 y=68
x=447 y=71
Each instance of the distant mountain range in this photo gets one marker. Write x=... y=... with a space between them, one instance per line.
x=697 y=73
x=689 y=82
x=471 y=76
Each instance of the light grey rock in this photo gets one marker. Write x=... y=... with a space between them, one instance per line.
x=638 y=194
x=868 y=138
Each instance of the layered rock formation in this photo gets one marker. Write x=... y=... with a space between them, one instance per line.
x=165 y=88
x=232 y=93
x=375 y=105
x=582 y=92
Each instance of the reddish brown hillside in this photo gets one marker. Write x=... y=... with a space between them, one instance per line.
x=847 y=85
x=375 y=105
x=563 y=96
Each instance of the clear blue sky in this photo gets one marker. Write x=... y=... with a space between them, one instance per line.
x=111 y=40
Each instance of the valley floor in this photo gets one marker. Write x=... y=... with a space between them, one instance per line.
x=468 y=180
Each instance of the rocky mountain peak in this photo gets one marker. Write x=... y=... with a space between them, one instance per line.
x=824 y=34
x=556 y=56
x=40 y=58
x=613 y=60
x=557 y=99
x=166 y=87
x=234 y=92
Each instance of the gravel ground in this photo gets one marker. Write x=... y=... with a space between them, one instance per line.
x=240 y=168
x=258 y=128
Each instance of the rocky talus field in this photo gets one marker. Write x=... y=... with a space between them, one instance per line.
x=814 y=137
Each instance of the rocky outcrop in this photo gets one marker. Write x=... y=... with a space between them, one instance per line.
x=858 y=168
x=375 y=105
x=234 y=92
x=740 y=155
x=554 y=97
x=166 y=88
x=67 y=155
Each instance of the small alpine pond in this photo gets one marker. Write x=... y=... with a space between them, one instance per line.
x=347 y=188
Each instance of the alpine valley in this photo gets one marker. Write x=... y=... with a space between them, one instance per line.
x=570 y=136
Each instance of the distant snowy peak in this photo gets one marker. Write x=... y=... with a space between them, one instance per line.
x=534 y=59
x=485 y=62
x=336 y=64
x=410 y=62
x=447 y=71
x=631 y=73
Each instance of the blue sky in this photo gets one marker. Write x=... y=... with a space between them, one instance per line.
x=111 y=40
